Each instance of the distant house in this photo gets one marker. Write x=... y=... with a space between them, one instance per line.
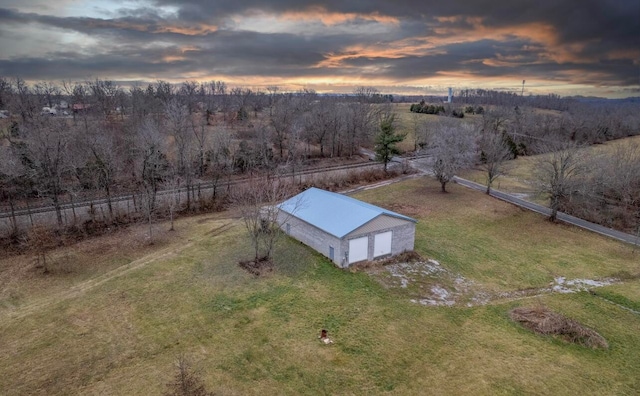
x=345 y=229
x=80 y=107
x=49 y=110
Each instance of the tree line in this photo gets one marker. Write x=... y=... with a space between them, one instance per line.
x=601 y=186
x=105 y=140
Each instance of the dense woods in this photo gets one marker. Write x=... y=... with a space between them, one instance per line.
x=95 y=140
x=81 y=141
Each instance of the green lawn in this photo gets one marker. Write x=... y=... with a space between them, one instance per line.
x=406 y=121
x=250 y=335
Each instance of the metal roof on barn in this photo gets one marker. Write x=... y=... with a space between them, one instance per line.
x=334 y=213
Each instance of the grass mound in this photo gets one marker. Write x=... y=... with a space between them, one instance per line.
x=541 y=320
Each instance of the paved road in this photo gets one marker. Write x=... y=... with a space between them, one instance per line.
x=621 y=236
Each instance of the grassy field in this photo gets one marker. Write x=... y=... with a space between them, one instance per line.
x=519 y=177
x=407 y=120
x=186 y=295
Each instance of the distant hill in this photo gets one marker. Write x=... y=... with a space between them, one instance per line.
x=596 y=99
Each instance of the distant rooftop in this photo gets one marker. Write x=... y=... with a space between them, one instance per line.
x=334 y=213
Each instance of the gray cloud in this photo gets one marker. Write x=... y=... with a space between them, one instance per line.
x=598 y=41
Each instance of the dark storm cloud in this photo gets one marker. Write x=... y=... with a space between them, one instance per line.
x=574 y=20
x=592 y=42
x=149 y=23
x=616 y=23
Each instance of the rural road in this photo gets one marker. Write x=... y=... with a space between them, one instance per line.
x=621 y=236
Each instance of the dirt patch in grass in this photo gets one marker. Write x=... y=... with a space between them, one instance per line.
x=261 y=267
x=427 y=282
x=543 y=321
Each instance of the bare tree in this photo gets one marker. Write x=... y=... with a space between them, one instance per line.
x=453 y=149
x=282 y=120
x=47 y=154
x=294 y=152
x=24 y=102
x=48 y=91
x=323 y=126
x=612 y=189
x=174 y=196
x=494 y=153
x=99 y=159
x=219 y=160
x=42 y=240
x=257 y=102
x=273 y=92
x=177 y=125
x=257 y=203
x=151 y=168
x=140 y=102
x=625 y=175
x=6 y=93
x=164 y=91
x=14 y=180
x=557 y=173
x=421 y=128
x=360 y=119
x=186 y=381
x=200 y=134
x=495 y=120
x=189 y=93
x=104 y=94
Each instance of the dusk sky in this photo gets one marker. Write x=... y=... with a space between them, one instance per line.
x=566 y=47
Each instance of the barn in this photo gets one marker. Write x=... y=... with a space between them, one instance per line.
x=345 y=229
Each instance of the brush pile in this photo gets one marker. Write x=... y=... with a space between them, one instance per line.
x=541 y=320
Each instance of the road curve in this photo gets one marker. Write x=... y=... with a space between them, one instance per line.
x=608 y=232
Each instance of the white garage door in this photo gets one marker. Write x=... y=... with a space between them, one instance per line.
x=358 y=249
x=382 y=244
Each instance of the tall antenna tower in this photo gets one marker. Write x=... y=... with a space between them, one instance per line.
x=522 y=94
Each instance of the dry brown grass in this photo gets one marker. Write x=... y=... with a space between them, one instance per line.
x=405 y=257
x=259 y=335
x=541 y=320
x=22 y=281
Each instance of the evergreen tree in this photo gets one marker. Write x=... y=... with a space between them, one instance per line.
x=386 y=141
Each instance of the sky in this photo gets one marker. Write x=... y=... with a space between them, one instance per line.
x=566 y=47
